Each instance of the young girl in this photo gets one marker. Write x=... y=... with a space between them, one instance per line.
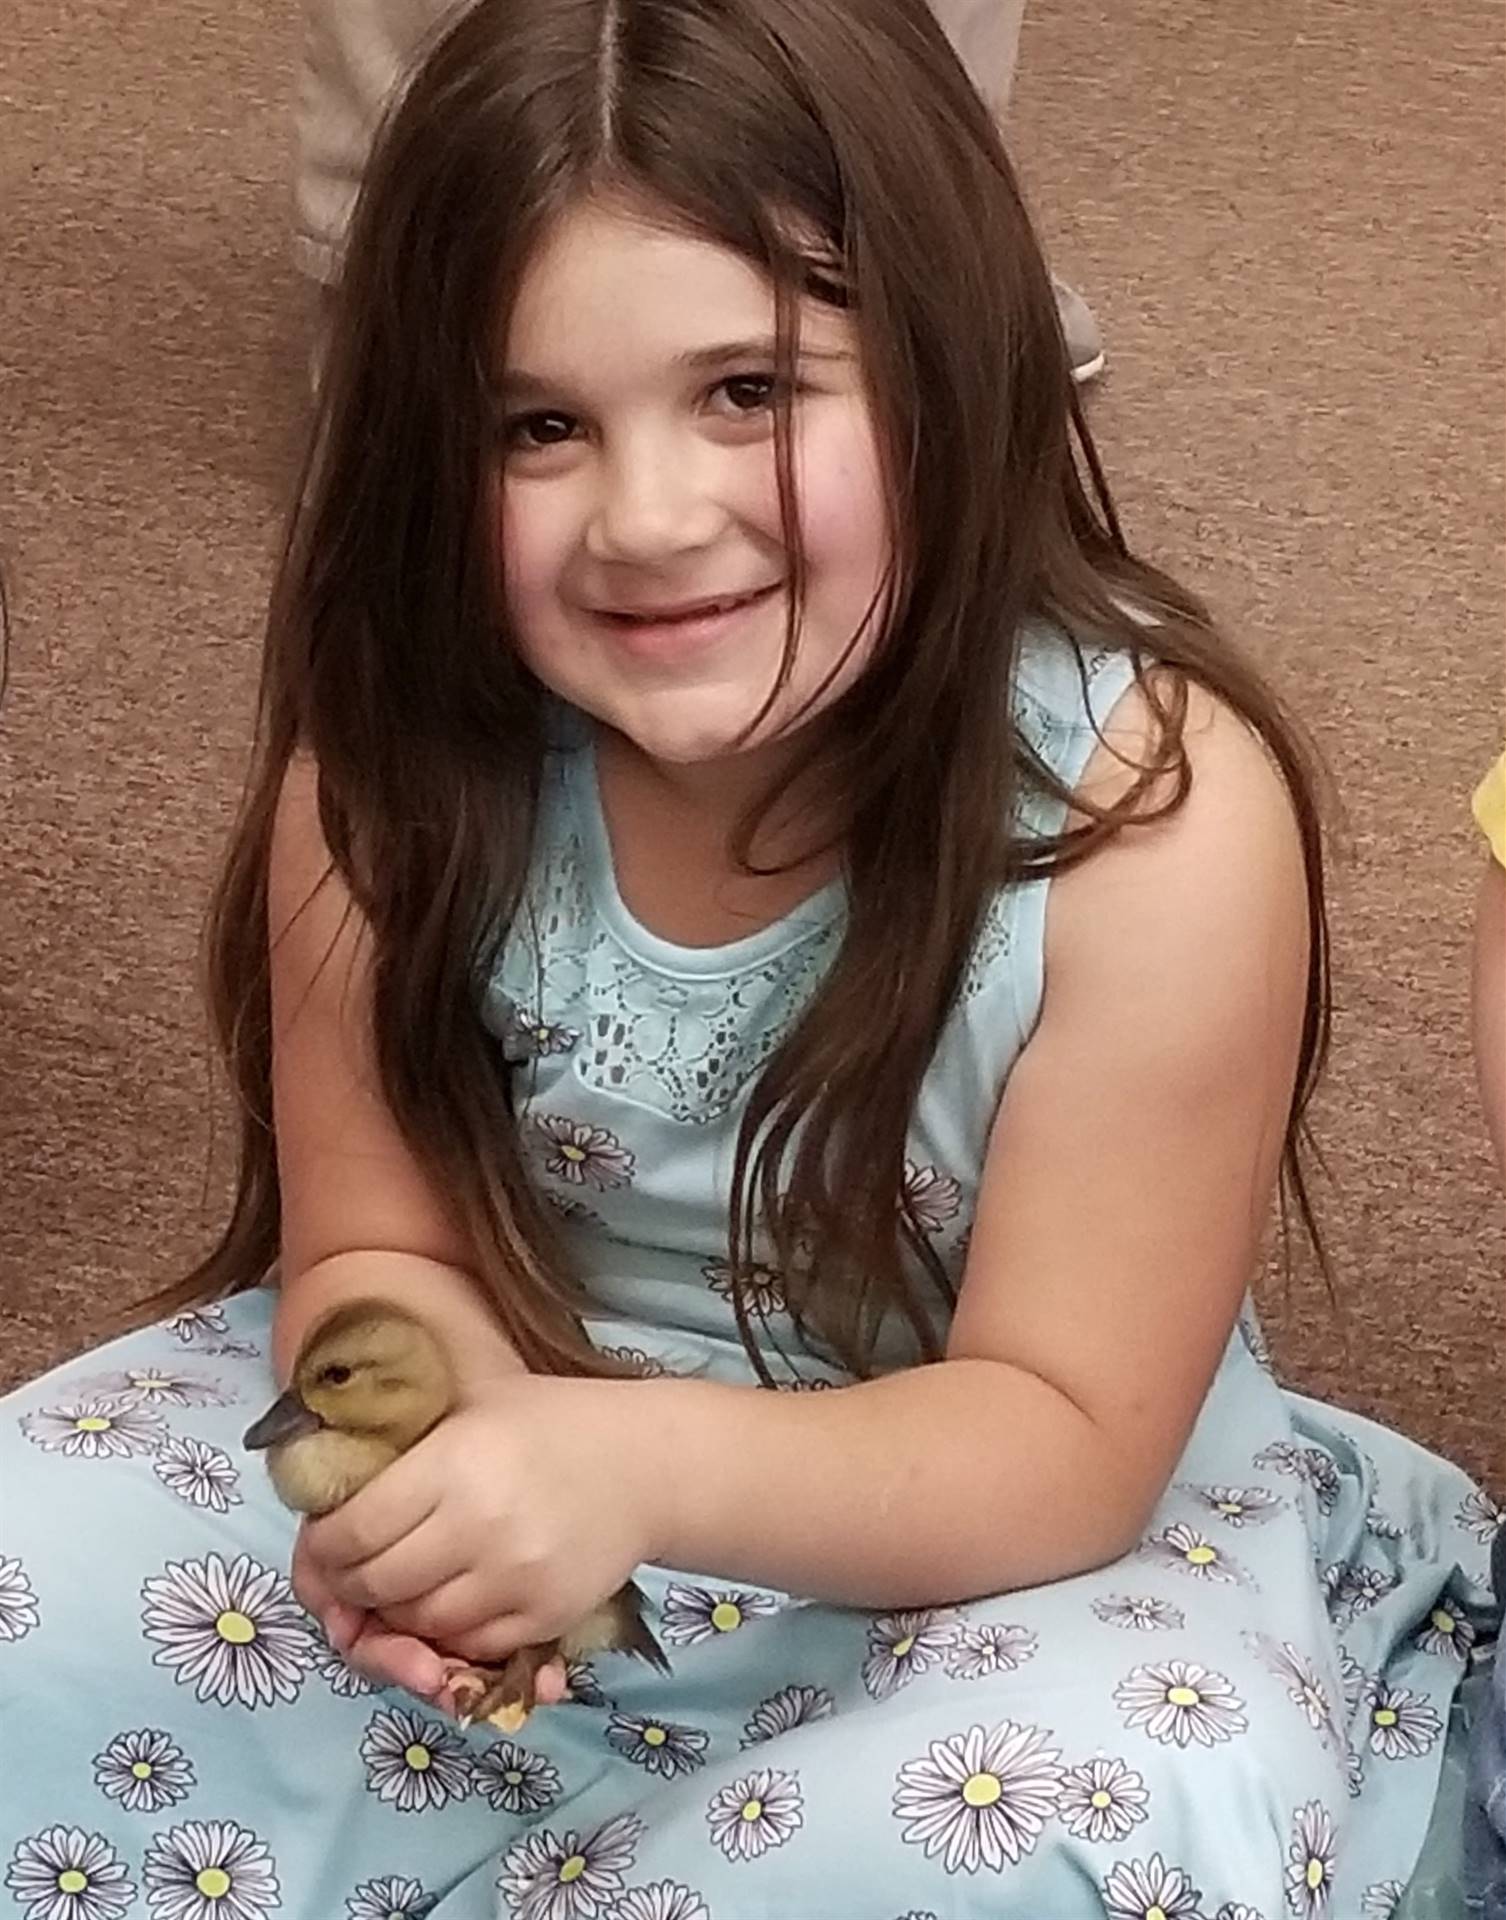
x=697 y=660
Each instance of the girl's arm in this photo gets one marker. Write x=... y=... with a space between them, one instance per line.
x=359 y=1217
x=1490 y=1004
x=1126 y=1191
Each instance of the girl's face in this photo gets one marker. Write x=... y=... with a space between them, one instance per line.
x=645 y=571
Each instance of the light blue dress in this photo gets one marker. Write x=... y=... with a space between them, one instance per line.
x=1243 y=1717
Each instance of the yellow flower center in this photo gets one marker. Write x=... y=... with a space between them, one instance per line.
x=654 y=1736
x=70 y=1880
x=752 y=1809
x=1385 y=1716
x=141 y=1769
x=902 y=1647
x=1316 y=1874
x=92 y=1423
x=1155 y=1913
x=726 y=1617
x=1230 y=1507
x=513 y=1777
x=981 y=1789
x=235 y=1627
x=1201 y=1556
x=212 y=1882
x=418 y=1757
x=574 y=1153
x=1183 y=1696
x=572 y=1869
x=1102 y=1800
x=1443 y=1620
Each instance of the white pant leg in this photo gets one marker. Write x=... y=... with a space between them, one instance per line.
x=356 y=51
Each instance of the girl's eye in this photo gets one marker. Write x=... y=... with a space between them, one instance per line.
x=750 y=392
x=530 y=432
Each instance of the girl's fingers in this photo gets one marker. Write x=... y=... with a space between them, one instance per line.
x=398 y=1576
x=396 y=1660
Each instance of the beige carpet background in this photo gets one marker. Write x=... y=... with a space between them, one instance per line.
x=1289 y=219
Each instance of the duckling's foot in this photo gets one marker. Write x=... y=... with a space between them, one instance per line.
x=503 y=1696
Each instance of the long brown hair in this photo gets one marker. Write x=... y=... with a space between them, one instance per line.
x=838 y=146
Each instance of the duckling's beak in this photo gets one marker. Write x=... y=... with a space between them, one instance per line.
x=286 y=1419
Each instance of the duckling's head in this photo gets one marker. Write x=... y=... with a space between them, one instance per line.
x=368 y=1370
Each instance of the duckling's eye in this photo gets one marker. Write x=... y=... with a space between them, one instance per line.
x=333 y=1376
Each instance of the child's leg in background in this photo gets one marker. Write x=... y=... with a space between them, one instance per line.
x=357 y=51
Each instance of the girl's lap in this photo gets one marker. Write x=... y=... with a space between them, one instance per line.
x=1058 y=1737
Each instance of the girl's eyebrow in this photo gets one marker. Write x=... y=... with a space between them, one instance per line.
x=516 y=383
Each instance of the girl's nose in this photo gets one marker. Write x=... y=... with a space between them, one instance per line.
x=654 y=503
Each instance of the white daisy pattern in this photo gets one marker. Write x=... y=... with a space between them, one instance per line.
x=414 y=1763
x=980 y=1652
x=583 y=1686
x=100 y=1428
x=1103 y=1800
x=1310 y=1861
x=1381 y=1899
x=582 y=1155
x=547 y=1876
x=19 y=1612
x=762 y=1286
x=340 y=1677
x=1480 y=1515
x=1181 y=1704
x=1403 y=1726
x=392 y=1897
x=548 y=1037
x=693 y=1614
x=145 y=1770
x=210 y=1870
x=235 y=1633
x=1305 y=1685
x=513 y=1780
x=980 y=1798
x=165 y=1387
x=1192 y=1552
x=201 y=1475
x=64 y=1873
x=1150 y=1890
x=1309 y=1464
x=662 y=1747
x=1352 y=1589
x=901 y=1645
x=930 y=1197
x=1447 y=1629
x=198 y=1326
x=1236 y=1506
x=751 y=1816
x=661 y=1900
x=646 y=1365
x=1236 y=1910
x=782 y=1712
x=1142 y=1613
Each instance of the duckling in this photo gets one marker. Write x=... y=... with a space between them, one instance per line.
x=370 y=1381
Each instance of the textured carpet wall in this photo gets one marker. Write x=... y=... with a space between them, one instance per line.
x=1289 y=220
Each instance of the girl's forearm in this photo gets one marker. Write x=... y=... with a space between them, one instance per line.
x=937 y=1484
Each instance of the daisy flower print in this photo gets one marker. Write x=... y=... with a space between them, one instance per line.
x=210 y=1870
x=199 y=1474
x=1402 y=1724
x=763 y=1810
x=930 y=1197
x=1181 y=1704
x=1235 y=1506
x=1310 y=1859
x=1189 y=1551
x=198 y=1326
x=67 y=1874
x=513 y=1780
x=980 y=1652
x=584 y=1156
x=693 y=1614
x=99 y=1429
x=901 y=1645
x=1150 y=1890
x=658 y=1746
x=1102 y=1800
x=414 y=1763
x=662 y=1900
x=1447 y=1629
x=235 y=1633
x=18 y=1602
x=548 y=1876
x=980 y=1798
x=393 y=1897
x=1143 y=1613
x=762 y=1286
x=782 y=1712
x=1480 y=1515
x=145 y=1770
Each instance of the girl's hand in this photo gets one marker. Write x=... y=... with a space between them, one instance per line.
x=508 y=1524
